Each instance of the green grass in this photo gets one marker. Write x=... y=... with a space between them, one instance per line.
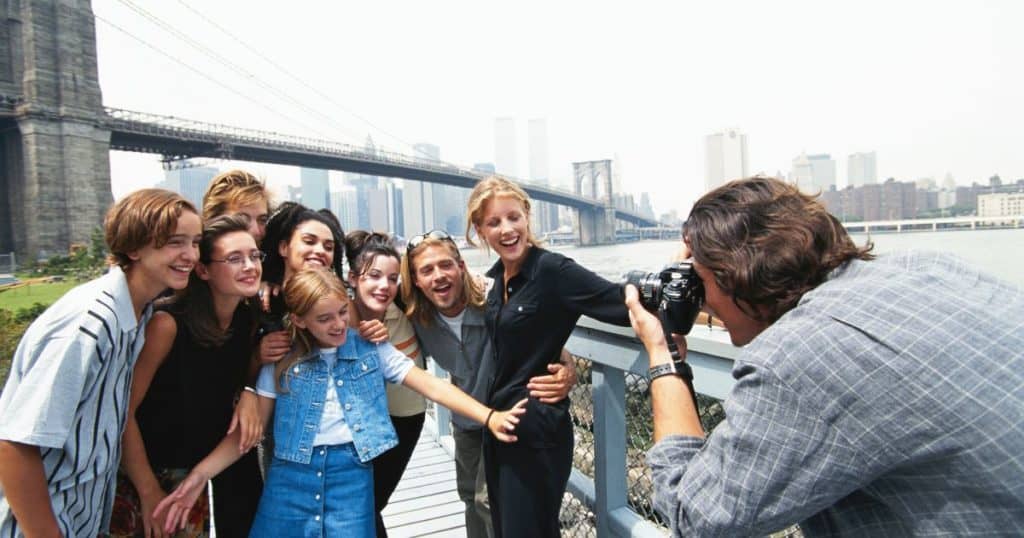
x=27 y=296
x=15 y=316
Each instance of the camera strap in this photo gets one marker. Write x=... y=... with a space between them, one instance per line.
x=673 y=349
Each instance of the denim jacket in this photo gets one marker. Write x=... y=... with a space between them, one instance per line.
x=360 y=384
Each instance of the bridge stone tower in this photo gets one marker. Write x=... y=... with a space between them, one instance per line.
x=54 y=152
x=593 y=179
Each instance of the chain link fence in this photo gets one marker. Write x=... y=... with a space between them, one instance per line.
x=577 y=519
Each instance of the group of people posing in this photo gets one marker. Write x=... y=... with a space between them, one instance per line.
x=874 y=395
x=223 y=327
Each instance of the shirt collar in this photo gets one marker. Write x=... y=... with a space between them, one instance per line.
x=393 y=312
x=527 y=271
x=116 y=284
x=470 y=316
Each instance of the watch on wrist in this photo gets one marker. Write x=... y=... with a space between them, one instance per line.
x=676 y=367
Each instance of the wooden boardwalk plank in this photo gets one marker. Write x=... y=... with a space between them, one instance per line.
x=426 y=503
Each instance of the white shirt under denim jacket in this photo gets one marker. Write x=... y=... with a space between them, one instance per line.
x=308 y=413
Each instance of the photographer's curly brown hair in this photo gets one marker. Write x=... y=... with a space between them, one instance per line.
x=767 y=243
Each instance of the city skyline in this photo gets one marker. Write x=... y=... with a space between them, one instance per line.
x=930 y=99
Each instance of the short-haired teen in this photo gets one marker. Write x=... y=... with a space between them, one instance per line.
x=64 y=406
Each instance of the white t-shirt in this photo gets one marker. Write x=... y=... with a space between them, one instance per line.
x=333 y=428
x=455 y=322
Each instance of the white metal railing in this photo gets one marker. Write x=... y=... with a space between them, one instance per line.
x=614 y=352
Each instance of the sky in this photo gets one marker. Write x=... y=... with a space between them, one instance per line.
x=933 y=88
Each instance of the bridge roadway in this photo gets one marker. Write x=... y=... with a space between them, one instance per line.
x=177 y=137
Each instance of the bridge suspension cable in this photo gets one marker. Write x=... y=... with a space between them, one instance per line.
x=206 y=76
x=294 y=76
x=214 y=55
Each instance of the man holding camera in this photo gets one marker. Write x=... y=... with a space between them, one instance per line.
x=873 y=397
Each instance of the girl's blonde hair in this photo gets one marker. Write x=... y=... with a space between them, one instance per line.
x=488 y=189
x=301 y=293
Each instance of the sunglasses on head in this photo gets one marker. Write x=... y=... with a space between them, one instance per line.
x=432 y=234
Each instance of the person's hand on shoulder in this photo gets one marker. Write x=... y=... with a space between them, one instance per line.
x=373 y=330
x=274 y=346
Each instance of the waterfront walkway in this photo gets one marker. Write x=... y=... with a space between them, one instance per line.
x=426 y=503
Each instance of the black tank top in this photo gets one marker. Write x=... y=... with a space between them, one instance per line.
x=188 y=407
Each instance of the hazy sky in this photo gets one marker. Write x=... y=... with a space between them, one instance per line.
x=932 y=87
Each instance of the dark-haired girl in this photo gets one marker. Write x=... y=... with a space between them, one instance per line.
x=188 y=375
x=373 y=277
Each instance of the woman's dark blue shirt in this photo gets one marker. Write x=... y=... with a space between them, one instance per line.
x=545 y=300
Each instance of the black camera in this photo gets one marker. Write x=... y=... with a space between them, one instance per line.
x=675 y=294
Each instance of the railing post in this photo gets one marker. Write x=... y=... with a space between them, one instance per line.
x=609 y=396
x=441 y=413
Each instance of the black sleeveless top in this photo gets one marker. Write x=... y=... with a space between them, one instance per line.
x=189 y=404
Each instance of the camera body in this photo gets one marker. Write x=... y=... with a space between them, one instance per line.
x=675 y=293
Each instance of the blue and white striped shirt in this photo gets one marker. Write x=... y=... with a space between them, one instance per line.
x=68 y=394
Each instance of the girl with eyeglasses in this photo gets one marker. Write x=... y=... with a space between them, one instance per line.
x=188 y=376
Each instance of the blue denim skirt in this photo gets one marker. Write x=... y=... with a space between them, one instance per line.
x=332 y=495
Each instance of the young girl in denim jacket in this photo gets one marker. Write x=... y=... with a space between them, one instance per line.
x=330 y=421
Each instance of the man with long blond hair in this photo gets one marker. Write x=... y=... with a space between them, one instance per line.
x=445 y=302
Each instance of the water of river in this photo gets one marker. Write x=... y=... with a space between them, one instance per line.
x=1000 y=252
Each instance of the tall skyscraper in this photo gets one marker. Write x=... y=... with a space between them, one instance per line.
x=505 y=155
x=396 y=216
x=861 y=169
x=343 y=204
x=316 y=193
x=417 y=207
x=545 y=215
x=369 y=210
x=189 y=180
x=823 y=168
x=537 y=131
x=814 y=173
x=725 y=157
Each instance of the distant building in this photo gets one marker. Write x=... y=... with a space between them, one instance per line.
x=486 y=168
x=1002 y=204
x=396 y=208
x=725 y=158
x=537 y=137
x=295 y=193
x=343 y=205
x=813 y=173
x=417 y=207
x=801 y=174
x=316 y=192
x=189 y=180
x=892 y=200
x=505 y=154
x=645 y=205
x=861 y=169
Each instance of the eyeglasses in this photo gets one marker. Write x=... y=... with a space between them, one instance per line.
x=256 y=257
x=432 y=234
